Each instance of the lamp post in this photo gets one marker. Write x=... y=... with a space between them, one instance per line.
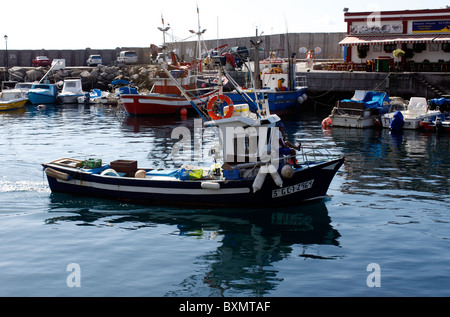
x=6 y=50
x=164 y=29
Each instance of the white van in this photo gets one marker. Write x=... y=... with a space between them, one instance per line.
x=127 y=57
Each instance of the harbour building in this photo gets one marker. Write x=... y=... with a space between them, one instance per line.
x=407 y=40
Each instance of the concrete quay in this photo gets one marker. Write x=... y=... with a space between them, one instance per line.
x=342 y=84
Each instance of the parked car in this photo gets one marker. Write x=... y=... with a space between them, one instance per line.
x=127 y=57
x=41 y=61
x=94 y=60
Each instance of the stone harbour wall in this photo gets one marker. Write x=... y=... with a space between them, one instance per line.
x=282 y=44
x=92 y=77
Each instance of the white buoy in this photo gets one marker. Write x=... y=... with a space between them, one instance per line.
x=140 y=174
x=275 y=176
x=287 y=171
x=259 y=179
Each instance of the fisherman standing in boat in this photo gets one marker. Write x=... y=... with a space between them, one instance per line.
x=286 y=147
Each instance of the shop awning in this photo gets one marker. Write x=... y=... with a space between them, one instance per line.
x=443 y=38
x=391 y=39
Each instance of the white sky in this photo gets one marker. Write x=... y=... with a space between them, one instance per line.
x=107 y=24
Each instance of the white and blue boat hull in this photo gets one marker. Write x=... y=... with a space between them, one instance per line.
x=280 y=101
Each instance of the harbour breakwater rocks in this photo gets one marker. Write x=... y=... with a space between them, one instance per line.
x=99 y=77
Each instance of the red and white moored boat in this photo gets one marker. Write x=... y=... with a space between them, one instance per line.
x=154 y=103
x=166 y=97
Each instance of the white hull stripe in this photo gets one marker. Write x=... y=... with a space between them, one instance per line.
x=157 y=190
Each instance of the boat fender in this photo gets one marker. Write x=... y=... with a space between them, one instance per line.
x=300 y=100
x=377 y=123
x=326 y=123
x=109 y=172
x=140 y=174
x=287 y=171
x=259 y=179
x=275 y=176
x=210 y=185
x=57 y=174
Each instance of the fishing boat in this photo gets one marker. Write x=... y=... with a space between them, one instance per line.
x=11 y=100
x=278 y=81
x=165 y=97
x=417 y=111
x=72 y=89
x=160 y=104
x=243 y=172
x=43 y=94
x=363 y=110
x=94 y=96
x=19 y=87
x=439 y=123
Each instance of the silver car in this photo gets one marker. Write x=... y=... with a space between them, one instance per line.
x=94 y=60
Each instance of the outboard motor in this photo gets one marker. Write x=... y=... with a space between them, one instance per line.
x=397 y=121
x=438 y=123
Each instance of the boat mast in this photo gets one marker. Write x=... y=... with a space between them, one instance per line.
x=56 y=63
x=199 y=41
x=256 y=61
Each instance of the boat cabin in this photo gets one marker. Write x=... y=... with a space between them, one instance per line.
x=247 y=136
x=72 y=85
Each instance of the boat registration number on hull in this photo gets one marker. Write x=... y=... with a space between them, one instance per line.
x=292 y=189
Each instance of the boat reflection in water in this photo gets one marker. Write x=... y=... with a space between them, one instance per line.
x=249 y=241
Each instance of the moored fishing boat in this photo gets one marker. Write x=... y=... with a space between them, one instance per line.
x=439 y=123
x=72 y=89
x=43 y=94
x=248 y=175
x=166 y=97
x=11 y=100
x=157 y=104
x=278 y=81
x=363 y=110
x=18 y=87
x=417 y=111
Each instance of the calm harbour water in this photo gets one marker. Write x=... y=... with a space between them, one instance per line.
x=388 y=206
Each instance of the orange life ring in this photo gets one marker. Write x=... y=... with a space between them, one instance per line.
x=225 y=99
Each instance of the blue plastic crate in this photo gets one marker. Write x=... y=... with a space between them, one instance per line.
x=231 y=174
